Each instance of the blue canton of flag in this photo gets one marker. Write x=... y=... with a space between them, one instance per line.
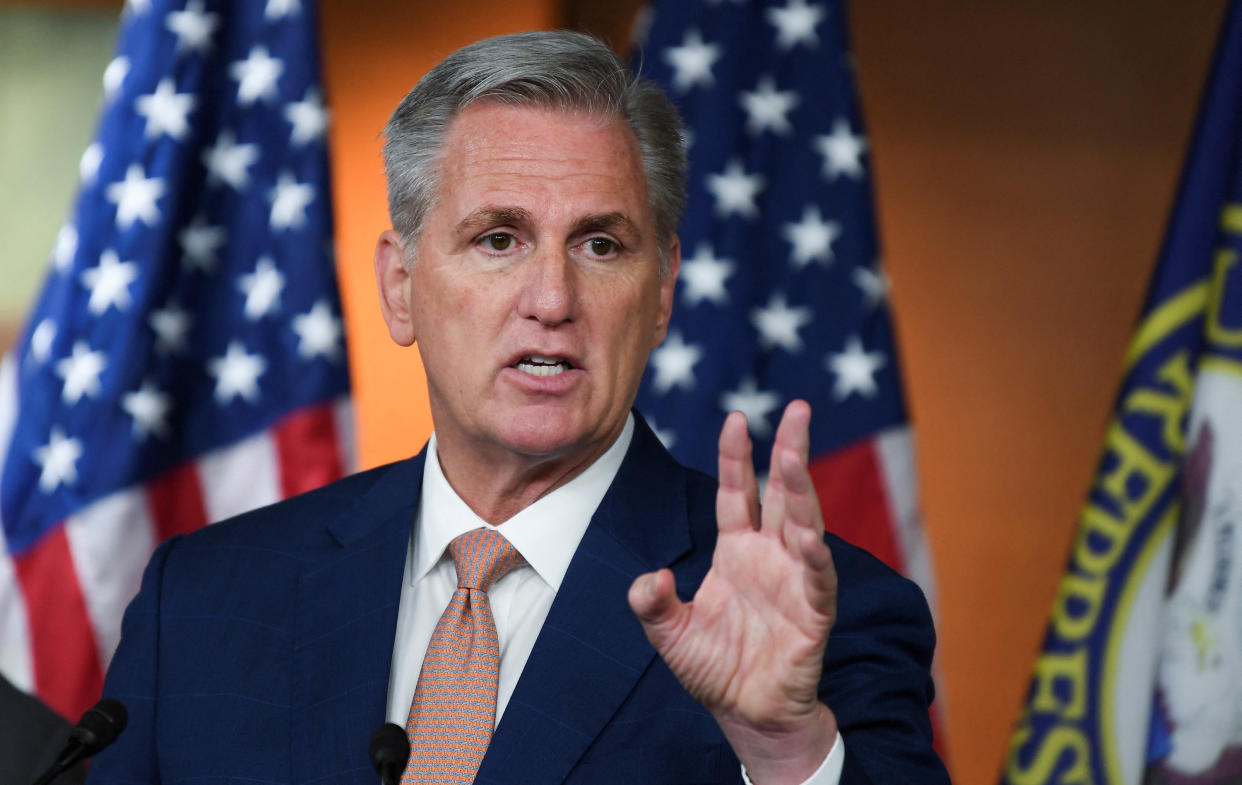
x=780 y=293
x=185 y=359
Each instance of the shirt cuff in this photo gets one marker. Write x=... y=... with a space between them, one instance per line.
x=828 y=773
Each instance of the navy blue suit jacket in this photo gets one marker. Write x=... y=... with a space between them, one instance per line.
x=258 y=650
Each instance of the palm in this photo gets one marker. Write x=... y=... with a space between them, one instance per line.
x=750 y=645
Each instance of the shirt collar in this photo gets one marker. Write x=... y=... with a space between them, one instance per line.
x=546 y=533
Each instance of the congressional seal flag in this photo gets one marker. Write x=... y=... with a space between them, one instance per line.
x=781 y=294
x=184 y=361
x=1140 y=679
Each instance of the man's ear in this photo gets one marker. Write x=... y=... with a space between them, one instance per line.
x=392 y=274
x=668 y=287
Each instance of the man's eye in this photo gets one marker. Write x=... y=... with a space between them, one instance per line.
x=498 y=242
x=601 y=246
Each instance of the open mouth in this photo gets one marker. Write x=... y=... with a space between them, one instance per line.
x=538 y=365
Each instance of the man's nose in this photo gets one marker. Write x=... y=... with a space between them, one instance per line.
x=549 y=292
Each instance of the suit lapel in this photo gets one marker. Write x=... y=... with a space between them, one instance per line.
x=344 y=623
x=592 y=650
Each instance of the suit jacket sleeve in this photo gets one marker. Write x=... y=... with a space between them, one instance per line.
x=132 y=679
x=877 y=674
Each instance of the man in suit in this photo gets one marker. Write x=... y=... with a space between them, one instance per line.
x=657 y=627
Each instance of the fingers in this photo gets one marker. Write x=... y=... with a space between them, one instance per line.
x=788 y=464
x=653 y=598
x=737 y=498
x=820 y=577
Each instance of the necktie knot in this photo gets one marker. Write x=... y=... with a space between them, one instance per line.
x=482 y=557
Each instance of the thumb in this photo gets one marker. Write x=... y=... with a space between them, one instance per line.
x=653 y=599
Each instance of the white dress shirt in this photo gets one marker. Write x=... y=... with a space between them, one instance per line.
x=546 y=534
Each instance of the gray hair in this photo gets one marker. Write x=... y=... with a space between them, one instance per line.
x=561 y=70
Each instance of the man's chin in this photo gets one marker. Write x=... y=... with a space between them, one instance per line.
x=542 y=435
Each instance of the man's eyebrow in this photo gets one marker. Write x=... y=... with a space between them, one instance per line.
x=487 y=217
x=607 y=222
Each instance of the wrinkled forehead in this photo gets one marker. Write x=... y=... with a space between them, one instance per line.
x=520 y=156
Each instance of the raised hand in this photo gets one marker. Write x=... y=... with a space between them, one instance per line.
x=750 y=645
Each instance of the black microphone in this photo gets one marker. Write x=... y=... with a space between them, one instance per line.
x=98 y=728
x=390 y=750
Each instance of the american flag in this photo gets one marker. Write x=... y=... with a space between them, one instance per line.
x=185 y=361
x=781 y=294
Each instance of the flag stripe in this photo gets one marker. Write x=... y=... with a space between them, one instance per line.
x=239 y=477
x=855 y=501
x=305 y=442
x=66 y=657
x=896 y=452
x=110 y=542
x=15 y=660
x=15 y=655
x=175 y=500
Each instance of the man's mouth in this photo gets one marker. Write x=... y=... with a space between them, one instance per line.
x=538 y=365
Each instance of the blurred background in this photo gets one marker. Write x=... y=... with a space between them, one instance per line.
x=1025 y=155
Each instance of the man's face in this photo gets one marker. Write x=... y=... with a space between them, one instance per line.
x=535 y=295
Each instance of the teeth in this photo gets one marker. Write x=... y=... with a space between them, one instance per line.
x=537 y=365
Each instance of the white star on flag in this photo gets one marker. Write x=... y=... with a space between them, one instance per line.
x=135 y=197
x=109 y=283
x=674 y=362
x=192 y=27
x=308 y=117
x=170 y=325
x=80 y=372
x=256 y=76
x=262 y=289
x=795 y=23
x=767 y=109
x=778 y=324
x=842 y=151
x=41 y=339
x=692 y=61
x=855 y=368
x=873 y=283
x=289 y=201
x=88 y=164
x=227 y=161
x=66 y=247
x=114 y=77
x=319 y=332
x=165 y=110
x=665 y=435
x=703 y=277
x=237 y=374
x=756 y=404
x=277 y=9
x=812 y=237
x=137 y=6
x=58 y=460
x=199 y=243
x=735 y=191
x=149 y=409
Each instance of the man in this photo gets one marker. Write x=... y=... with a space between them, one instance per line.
x=644 y=625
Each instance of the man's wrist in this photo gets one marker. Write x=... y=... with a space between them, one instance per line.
x=828 y=773
x=785 y=756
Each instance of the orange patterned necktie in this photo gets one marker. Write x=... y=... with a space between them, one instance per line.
x=454 y=705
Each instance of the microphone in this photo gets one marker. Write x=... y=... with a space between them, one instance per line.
x=98 y=728
x=390 y=750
